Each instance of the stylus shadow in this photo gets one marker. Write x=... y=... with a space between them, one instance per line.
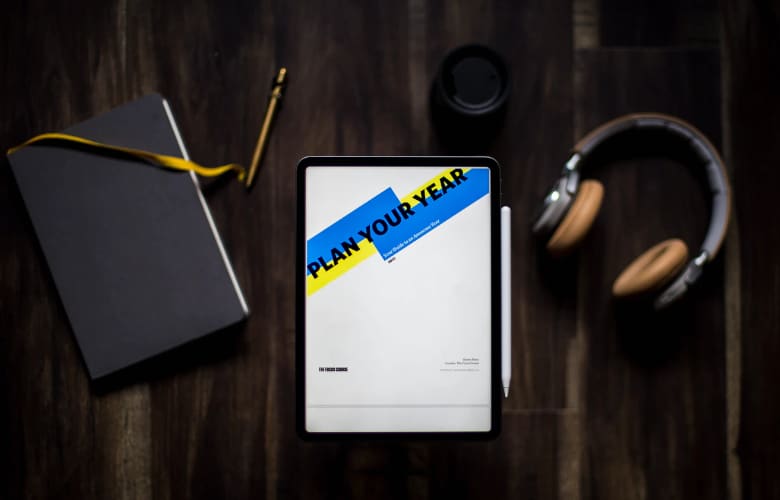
x=214 y=348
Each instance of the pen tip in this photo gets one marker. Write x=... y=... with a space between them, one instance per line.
x=281 y=77
x=506 y=392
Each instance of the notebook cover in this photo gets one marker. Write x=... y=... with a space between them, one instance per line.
x=133 y=250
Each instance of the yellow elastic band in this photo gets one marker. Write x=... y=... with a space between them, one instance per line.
x=165 y=161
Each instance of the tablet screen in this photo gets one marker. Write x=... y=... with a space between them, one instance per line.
x=397 y=309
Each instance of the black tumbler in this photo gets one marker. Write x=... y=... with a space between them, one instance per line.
x=468 y=98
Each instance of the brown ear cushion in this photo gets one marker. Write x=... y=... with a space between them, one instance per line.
x=578 y=220
x=652 y=269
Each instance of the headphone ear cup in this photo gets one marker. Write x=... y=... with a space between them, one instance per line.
x=652 y=269
x=578 y=219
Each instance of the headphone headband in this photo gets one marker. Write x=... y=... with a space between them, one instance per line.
x=717 y=179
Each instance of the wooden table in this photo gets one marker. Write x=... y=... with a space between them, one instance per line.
x=683 y=405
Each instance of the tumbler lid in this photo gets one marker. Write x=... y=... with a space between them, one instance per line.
x=473 y=80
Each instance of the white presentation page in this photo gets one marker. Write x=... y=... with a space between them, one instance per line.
x=398 y=299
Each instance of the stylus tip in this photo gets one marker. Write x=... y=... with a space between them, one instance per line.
x=506 y=392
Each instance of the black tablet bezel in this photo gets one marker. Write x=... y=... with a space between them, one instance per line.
x=300 y=290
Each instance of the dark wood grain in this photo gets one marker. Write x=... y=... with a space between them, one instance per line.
x=658 y=23
x=752 y=43
x=604 y=404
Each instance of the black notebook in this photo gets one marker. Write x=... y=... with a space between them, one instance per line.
x=132 y=248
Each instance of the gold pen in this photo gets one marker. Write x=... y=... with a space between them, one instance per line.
x=273 y=105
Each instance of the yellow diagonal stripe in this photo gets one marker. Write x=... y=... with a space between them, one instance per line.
x=409 y=198
x=366 y=250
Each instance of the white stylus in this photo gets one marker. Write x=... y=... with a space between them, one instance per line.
x=506 y=298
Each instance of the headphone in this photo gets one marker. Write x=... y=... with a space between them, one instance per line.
x=571 y=206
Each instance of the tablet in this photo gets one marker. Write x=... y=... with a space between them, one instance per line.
x=398 y=298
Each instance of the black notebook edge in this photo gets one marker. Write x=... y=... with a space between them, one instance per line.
x=225 y=259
